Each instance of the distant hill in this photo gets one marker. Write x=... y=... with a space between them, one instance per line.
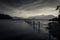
x=42 y=17
x=4 y=16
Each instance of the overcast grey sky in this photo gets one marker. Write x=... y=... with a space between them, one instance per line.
x=27 y=8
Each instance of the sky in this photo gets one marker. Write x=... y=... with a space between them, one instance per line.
x=28 y=8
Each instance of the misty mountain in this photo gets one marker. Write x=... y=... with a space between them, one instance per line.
x=42 y=17
x=17 y=18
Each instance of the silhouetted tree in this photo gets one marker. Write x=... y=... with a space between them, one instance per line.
x=3 y=16
x=58 y=8
x=54 y=19
x=54 y=27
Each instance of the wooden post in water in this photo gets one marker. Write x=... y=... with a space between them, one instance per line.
x=49 y=31
x=34 y=25
x=39 y=27
x=49 y=36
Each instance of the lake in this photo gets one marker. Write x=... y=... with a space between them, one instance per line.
x=15 y=28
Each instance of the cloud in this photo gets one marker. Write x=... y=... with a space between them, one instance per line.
x=28 y=7
x=18 y=3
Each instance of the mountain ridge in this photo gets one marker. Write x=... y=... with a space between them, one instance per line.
x=42 y=17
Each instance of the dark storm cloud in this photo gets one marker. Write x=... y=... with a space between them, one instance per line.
x=17 y=3
x=7 y=5
x=27 y=1
x=41 y=4
x=33 y=4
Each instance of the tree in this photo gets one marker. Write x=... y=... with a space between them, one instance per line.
x=54 y=27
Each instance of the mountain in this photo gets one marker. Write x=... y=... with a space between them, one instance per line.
x=42 y=17
x=4 y=16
